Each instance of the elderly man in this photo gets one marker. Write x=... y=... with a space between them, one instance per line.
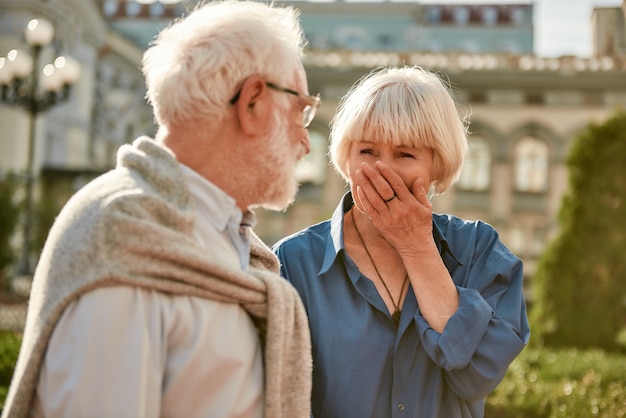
x=152 y=296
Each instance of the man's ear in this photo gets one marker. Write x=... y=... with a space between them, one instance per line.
x=254 y=106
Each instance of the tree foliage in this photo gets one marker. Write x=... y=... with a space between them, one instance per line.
x=9 y=215
x=581 y=277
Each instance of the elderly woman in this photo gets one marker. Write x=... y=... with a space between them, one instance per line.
x=412 y=314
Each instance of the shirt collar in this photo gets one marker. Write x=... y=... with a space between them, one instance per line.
x=336 y=244
x=248 y=219
x=442 y=243
x=220 y=208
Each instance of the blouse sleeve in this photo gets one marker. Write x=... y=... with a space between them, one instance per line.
x=490 y=327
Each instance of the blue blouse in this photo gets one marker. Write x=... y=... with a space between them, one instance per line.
x=363 y=366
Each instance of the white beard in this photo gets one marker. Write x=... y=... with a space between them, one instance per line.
x=277 y=168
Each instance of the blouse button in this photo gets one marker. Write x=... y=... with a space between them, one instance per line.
x=400 y=407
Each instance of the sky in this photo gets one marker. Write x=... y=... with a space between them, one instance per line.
x=562 y=27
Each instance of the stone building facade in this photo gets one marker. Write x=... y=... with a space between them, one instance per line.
x=524 y=111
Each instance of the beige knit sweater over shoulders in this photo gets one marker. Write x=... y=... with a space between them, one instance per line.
x=133 y=226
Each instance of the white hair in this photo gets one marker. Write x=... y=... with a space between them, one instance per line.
x=406 y=106
x=195 y=66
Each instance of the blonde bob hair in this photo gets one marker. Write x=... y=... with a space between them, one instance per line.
x=404 y=106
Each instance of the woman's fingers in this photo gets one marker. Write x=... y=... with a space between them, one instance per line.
x=380 y=190
x=393 y=180
x=418 y=190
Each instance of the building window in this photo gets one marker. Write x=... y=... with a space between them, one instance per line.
x=157 y=9
x=461 y=15
x=490 y=15
x=476 y=173
x=517 y=15
x=477 y=96
x=109 y=8
x=534 y=98
x=527 y=238
x=531 y=165
x=434 y=14
x=538 y=241
x=132 y=8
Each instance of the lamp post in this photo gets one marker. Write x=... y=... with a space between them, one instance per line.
x=20 y=81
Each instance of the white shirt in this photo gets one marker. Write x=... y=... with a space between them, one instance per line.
x=130 y=352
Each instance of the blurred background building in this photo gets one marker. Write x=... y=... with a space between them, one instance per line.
x=525 y=110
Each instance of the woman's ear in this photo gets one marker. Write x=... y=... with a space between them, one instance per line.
x=254 y=106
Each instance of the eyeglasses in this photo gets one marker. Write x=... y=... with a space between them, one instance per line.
x=309 y=111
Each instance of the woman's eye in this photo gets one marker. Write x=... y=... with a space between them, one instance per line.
x=407 y=155
x=367 y=151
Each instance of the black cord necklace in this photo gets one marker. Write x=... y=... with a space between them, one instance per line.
x=396 y=306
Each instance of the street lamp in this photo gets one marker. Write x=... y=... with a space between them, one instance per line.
x=20 y=81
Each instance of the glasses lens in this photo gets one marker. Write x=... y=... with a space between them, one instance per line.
x=307 y=115
x=309 y=112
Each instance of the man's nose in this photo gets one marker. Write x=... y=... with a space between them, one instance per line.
x=306 y=141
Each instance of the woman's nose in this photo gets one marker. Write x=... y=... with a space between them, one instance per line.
x=387 y=159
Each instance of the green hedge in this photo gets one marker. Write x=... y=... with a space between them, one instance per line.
x=541 y=383
x=570 y=383
x=9 y=219
x=9 y=349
